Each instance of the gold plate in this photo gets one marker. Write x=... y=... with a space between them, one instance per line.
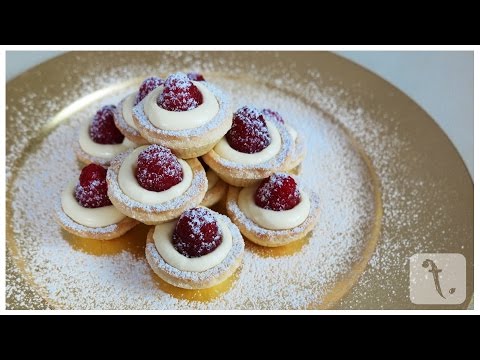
x=420 y=193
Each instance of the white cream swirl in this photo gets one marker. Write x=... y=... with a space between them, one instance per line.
x=127 y=108
x=130 y=186
x=293 y=133
x=180 y=120
x=91 y=217
x=224 y=149
x=103 y=151
x=162 y=237
x=270 y=219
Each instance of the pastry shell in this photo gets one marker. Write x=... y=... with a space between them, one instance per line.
x=156 y=213
x=129 y=132
x=266 y=237
x=246 y=175
x=215 y=194
x=188 y=143
x=299 y=153
x=86 y=158
x=202 y=279
x=99 y=233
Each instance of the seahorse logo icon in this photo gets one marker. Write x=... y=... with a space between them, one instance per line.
x=436 y=278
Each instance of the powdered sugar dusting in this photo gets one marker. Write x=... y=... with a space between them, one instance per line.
x=334 y=170
x=196 y=233
x=102 y=129
x=147 y=86
x=198 y=182
x=158 y=169
x=279 y=192
x=79 y=228
x=179 y=94
x=232 y=256
x=91 y=191
x=224 y=111
x=277 y=162
x=249 y=133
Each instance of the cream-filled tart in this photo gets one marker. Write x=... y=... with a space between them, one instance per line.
x=152 y=185
x=299 y=146
x=217 y=188
x=85 y=210
x=187 y=116
x=199 y=250
x=274 y=213
x=100 y=140
x=252 y=150
x=124 y=116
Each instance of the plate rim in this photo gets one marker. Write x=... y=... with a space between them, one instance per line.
x=17 y=80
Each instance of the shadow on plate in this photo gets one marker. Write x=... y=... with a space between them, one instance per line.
x=286 y=250
x=202 y=295
x=133 y=242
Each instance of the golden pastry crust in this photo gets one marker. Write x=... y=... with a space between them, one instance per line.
x=189 y=143
x=202 y=279
x=99 y=233
x=156 y=214
x=86 y=158
x=266 y=237
x=215 y=194
x=246 y=175
x=129 y=132
x=298 y=155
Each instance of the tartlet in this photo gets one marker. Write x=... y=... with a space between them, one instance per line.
x=153 y=206
x=123 y=113
x=189 y=117
x=299 y=151
x=85 y=210
x=99 y=139
x=199 y=250
x=253 y=149
x=274 y=213
x=217 y=189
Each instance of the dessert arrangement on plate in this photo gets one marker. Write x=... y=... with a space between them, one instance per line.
x=280 y=180
x=165 y=155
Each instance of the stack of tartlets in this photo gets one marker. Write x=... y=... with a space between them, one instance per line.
x=167 y=153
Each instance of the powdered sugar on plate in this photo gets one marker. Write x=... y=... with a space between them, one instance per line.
x=78 y=280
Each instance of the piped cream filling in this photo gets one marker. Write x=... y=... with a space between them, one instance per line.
x=103 y=151
x=162 y=237
x=224 y=149
x=180 y=120
x=270 y=219
x=130 y=186
x=91 y=217
x=212 y=179
x=127 y=108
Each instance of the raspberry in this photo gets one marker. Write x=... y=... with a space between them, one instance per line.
x=158 y=169
x=195 y=76
x=147 y=86
x=179 y=94
x=196 y=233
x=103 y=129
x=278 y=192
x=271 y=114
x=91 y=192
x=249 y=133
